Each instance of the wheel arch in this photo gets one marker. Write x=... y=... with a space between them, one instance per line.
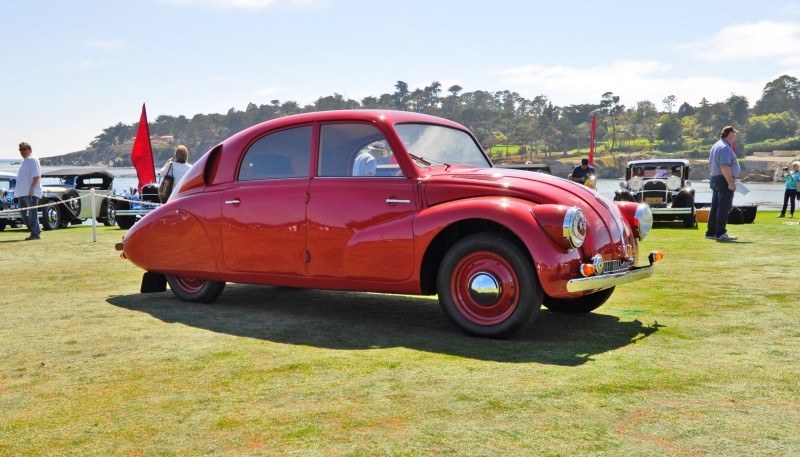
x=450 y=235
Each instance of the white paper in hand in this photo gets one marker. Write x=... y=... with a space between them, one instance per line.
x=742 y=189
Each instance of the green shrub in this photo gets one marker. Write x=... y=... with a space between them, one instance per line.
x=772 y=145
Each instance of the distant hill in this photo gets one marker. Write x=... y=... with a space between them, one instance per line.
x=114 y=156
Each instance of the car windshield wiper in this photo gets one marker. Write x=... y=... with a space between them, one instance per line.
x=420 y=159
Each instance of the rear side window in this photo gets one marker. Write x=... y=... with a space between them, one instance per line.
x=283 y=154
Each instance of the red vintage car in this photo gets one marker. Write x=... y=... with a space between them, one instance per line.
x=393 y=202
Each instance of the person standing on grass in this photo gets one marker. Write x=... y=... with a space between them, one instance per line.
x=724 y=170
x=29 y=190
x=791 y=177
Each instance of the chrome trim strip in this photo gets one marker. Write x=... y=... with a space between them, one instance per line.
x=656 y=211
x=132 y=212
x=605 y=281
x=396 y=201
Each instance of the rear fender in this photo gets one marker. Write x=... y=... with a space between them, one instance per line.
x=554 y=265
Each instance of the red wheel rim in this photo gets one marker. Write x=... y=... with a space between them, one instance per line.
x=491 y=268
x=190 y=285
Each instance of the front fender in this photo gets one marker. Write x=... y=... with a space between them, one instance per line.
x=554 y=265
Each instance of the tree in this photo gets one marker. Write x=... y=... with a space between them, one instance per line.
x=776 y=125
x=669 y=101
x=647 y=115
x=685 y=110
x=610 y=105
x=782 y=94
x=400 y=95
x=455 y=90
x=740 y=110
x=670 y=129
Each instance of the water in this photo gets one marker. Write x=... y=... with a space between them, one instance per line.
x=766 y=195
x=763 y=194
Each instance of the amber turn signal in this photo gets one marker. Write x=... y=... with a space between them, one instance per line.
x=122 y=255
x=655 y=256
x=587 y=269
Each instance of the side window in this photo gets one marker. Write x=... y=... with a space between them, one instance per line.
x=355 y=150
x=283 y=154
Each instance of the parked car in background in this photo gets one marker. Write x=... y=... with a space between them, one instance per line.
x=297 y=202
x=137 y=205
x=664 y=185
x=8 y=182
x=69 y=190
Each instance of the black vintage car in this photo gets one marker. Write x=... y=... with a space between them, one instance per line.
x=664 y=185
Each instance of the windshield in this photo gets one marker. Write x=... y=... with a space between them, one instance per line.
x=656 y=171
x=437 y=145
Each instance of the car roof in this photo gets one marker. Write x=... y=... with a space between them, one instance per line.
x=372 y=115
x=82 y=172
x=662 y=162
x=7 y=175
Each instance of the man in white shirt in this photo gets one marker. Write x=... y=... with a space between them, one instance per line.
x=29 y=190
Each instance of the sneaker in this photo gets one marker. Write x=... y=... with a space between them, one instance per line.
x=725 y=238
x=33 y=237
x=791 y=216
x=782 y=215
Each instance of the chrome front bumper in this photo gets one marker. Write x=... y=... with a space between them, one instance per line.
x=604 y=281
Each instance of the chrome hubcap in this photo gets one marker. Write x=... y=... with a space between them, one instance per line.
x=484 y=288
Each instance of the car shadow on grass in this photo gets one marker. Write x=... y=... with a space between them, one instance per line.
x=355 y=321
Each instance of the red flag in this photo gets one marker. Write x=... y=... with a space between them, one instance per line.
x=142 y=153
x=591 y=140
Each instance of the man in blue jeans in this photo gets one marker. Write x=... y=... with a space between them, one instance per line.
x=29 y=190
x=724 y=170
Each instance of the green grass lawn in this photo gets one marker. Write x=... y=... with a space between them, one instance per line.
x=702 y=358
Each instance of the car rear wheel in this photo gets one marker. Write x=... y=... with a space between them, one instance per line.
x=2 y=225
x=110 y=215
x=487 y=286
x=195 y=290
x=51 y=215
x=584 y=304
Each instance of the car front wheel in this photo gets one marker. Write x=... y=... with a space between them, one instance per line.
x=195 y=290
x=487 y=286
x=584 y=304
x=51 y=216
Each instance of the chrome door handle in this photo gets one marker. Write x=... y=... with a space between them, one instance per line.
x=235 y=201
x=394 y=201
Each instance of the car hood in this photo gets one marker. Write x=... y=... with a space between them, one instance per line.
x=608 y=233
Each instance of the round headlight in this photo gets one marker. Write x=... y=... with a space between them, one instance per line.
x=673 y=183
x=575 y=227
x=643 y=220
x=636 y=183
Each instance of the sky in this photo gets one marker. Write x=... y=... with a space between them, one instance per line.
x=70 y=69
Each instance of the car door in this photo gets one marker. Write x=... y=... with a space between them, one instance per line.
x=264 y=214
x=360 y=208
